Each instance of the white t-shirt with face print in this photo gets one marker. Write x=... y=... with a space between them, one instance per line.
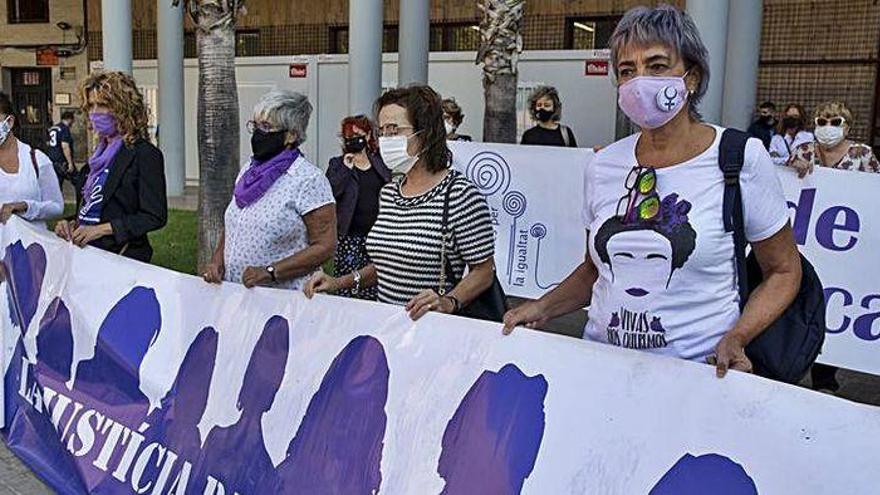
x=668 y=285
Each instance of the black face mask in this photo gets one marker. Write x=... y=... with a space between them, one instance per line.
x=354 y=144
x=791 y=122
x=768 y=120
x=544 y=115
x=266 y=145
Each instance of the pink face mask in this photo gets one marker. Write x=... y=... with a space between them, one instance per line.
x=651 y=102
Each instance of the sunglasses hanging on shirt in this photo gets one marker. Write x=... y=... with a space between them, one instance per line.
x=641 y=200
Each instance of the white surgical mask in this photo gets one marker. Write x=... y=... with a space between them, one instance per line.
x=5 y=130
x=393 y=150
x=449 y=128
x=829 y=136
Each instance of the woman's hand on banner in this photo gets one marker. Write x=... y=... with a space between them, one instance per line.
x=320 y=283
x=426 y=301
x=214 y=272
x=254 y=276
x=529 y=314
x=84 y=234
x=730 y=353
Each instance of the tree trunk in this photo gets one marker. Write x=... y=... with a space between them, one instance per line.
x=218 y=131
x=499 y=117
x=501 y=44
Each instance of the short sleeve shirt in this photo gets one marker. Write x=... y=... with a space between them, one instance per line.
x=272 y=228
x=668 y=286
x=405 y=242
x=859 y=157
x=59 y=134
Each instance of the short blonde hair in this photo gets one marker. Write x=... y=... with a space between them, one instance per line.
x=834 y=109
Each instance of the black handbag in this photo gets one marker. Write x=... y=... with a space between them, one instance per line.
x=787 y=349
x=491 y=305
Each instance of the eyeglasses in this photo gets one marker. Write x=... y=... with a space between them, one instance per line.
x=834 y=121
x=389 y=130
x=641 y=182
x=253 y=125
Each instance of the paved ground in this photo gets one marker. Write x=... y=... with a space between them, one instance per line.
x=17 y=479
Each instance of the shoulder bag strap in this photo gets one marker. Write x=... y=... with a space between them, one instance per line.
x=34 y=162
x=731 y=155
x=444 y=238
x=565 y=136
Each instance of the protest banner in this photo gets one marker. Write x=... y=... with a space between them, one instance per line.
x=535 y=195
x=120 y=377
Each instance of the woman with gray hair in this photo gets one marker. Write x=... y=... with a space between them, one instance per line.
x=659 y=273
x=545 y=108
x=281 y=223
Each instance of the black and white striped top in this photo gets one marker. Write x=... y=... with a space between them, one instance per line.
x=404 y=243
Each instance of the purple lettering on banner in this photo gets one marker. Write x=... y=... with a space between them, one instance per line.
x=338 y=446
x=827 y=225
x=491 y=442
x=236 y=456
x=23 y=271
x=710 y=473
x=847 y=301
x=803 y=210
x=864 y=323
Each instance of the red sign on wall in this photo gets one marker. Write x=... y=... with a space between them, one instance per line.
x=298 y=71
x=596 y=68
x=47 y=56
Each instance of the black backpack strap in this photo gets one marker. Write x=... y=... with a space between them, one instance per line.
x=34 y=162
x=731 y=155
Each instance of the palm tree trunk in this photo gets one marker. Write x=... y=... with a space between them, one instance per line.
x=218 y=119
x=501 y=44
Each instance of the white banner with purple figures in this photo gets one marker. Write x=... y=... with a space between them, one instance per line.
x=121 y=377
x=836 y=222
x=535 y=194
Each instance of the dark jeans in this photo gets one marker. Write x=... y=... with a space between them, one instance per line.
x=824 y=377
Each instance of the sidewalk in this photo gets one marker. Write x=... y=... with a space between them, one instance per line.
x=16 y=478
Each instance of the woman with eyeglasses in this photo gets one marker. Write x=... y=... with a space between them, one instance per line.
x=280 y=225
x=831 y=148
x=356 y=178
x=659 y=272
x=406 y=244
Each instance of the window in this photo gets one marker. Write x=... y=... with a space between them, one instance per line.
x=27 y=11
x=455 y=37
x=339 y=39
x=247 y=43
x=589 y=33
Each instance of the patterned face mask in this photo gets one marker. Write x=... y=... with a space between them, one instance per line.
x=5 y=130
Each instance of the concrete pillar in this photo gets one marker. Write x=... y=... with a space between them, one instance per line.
x=364 y=55
x=413 y=45
x=171 y=98
x=116 y=29
x=741 y=72
x=710 y=16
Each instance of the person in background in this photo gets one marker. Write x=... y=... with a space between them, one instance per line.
x=60 y=149
x=28 y=185
x=658 y=272
x=833 y=121
x=280 y=225
x=452 y=118
x=406 y=241
x=764 y=126
x=790 y=133
x=124 y=193
x=546 y=109
x=356 y=178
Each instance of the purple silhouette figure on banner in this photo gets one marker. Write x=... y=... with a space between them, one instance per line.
x=175 y=423
x=32 y=433
x=236 y=456
x=23 y=270
x=338 y=446
x=710 y=473
x=491 y=442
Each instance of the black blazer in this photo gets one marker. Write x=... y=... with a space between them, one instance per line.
x=134 y=201
x=346 y=188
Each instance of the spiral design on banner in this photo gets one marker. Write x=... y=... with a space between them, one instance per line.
x=514 y=203
x=489 y=172
x=538 y=231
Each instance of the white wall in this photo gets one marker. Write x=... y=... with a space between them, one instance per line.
x=589 y=103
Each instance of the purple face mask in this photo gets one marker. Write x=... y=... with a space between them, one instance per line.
x=103 y=123
x=651 y=102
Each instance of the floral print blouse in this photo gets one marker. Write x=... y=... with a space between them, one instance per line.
x=859 y=157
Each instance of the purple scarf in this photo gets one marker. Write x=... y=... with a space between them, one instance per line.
x=257 y=179
x=103 y=157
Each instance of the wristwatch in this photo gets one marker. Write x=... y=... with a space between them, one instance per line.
x=357 y=282
x=271 y=270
